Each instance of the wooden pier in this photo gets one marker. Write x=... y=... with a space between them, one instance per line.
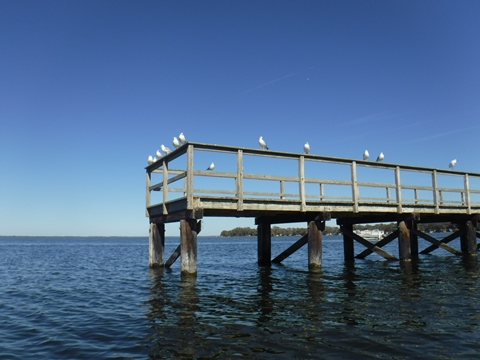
x=277 y=187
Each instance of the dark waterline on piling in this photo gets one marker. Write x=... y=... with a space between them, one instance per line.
x=96 y=298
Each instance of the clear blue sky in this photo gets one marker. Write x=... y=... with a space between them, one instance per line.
x=88 y=89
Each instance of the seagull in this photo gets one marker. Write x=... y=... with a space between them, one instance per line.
x=380 y=157
x=182 y=139
x=366 y=155
x=151 y=159
x=159 y=154
x=452 y=164
x=165 y=149
x=306 y=147
x=176 y=143
x=262 y=143
x=211 y=167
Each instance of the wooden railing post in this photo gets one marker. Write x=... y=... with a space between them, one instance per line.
x=301 y=182
x=467 y=194
x=149 y=183
x=398 y=190
x=435 y=192
x=165 y=187
x=190 y=177
x=354 y=187
x=239 y=180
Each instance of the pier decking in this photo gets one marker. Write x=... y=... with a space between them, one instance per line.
x=283 y=187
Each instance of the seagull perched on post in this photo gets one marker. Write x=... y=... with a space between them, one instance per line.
x=306 y=147
x=262 y=143
x=151 y=159
x=452 y=164
x=165 y=149
x=211 y=167
x=380 y=157
x=176 y=143
x=366 y=155
x=159 y=154
x=182 y=139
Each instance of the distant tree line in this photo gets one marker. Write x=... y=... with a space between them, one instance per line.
x=335 y=230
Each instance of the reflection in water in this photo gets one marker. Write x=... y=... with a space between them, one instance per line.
x=264 y=302
x=359 y=309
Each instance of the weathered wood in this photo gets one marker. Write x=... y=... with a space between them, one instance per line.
x=398 y=188
x=445 y=240
x=301 y=182
x=156 y=245
x=438 y=243
x=354 y=187
x=348 y=245
x=188 y=242
x=189 y=181
x=435 y=191
x=149 y=181
x=292 y=249
x=175 y=255
x=239 y=180
x=413 y=240
x=264 y=240
x=467 y=193
x=404 y=249
x=314 y=247
x=381 y=243
x=165 y=187
x=468 y=239
x=368 y=244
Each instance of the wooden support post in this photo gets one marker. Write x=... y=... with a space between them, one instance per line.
x=348 y=247
x=404 y=251
x=264 y=239
x=188 y=244
x=468 y=239
x=314 y=247
x=156 y=245
x=413 y=240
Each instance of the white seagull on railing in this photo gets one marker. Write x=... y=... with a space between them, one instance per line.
x=151 y=159
x=452 y=164
x=176 y=143
x=306 y=147
x=165 y=149
x=262 y=143
x=159 y=154
x=211 y=167
x=366 y=155
x=182 y=139
x=380 y=157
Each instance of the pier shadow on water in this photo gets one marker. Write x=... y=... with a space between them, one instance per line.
x=365 y=309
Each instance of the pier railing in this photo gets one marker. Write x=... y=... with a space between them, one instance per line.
x=247 y=181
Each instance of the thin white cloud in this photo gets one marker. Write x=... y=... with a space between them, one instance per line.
x=275 y=81
x=446 y=133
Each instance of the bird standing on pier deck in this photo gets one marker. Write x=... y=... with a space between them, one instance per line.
x=366 y=155
x=380 y=157
x=176 y=143
x=182 y=139
x=262 y=143
x=211 y=167
x=306 y=147
x=452 y=164
x=165 y=149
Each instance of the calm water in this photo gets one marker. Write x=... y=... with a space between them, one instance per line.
x=96 y=298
